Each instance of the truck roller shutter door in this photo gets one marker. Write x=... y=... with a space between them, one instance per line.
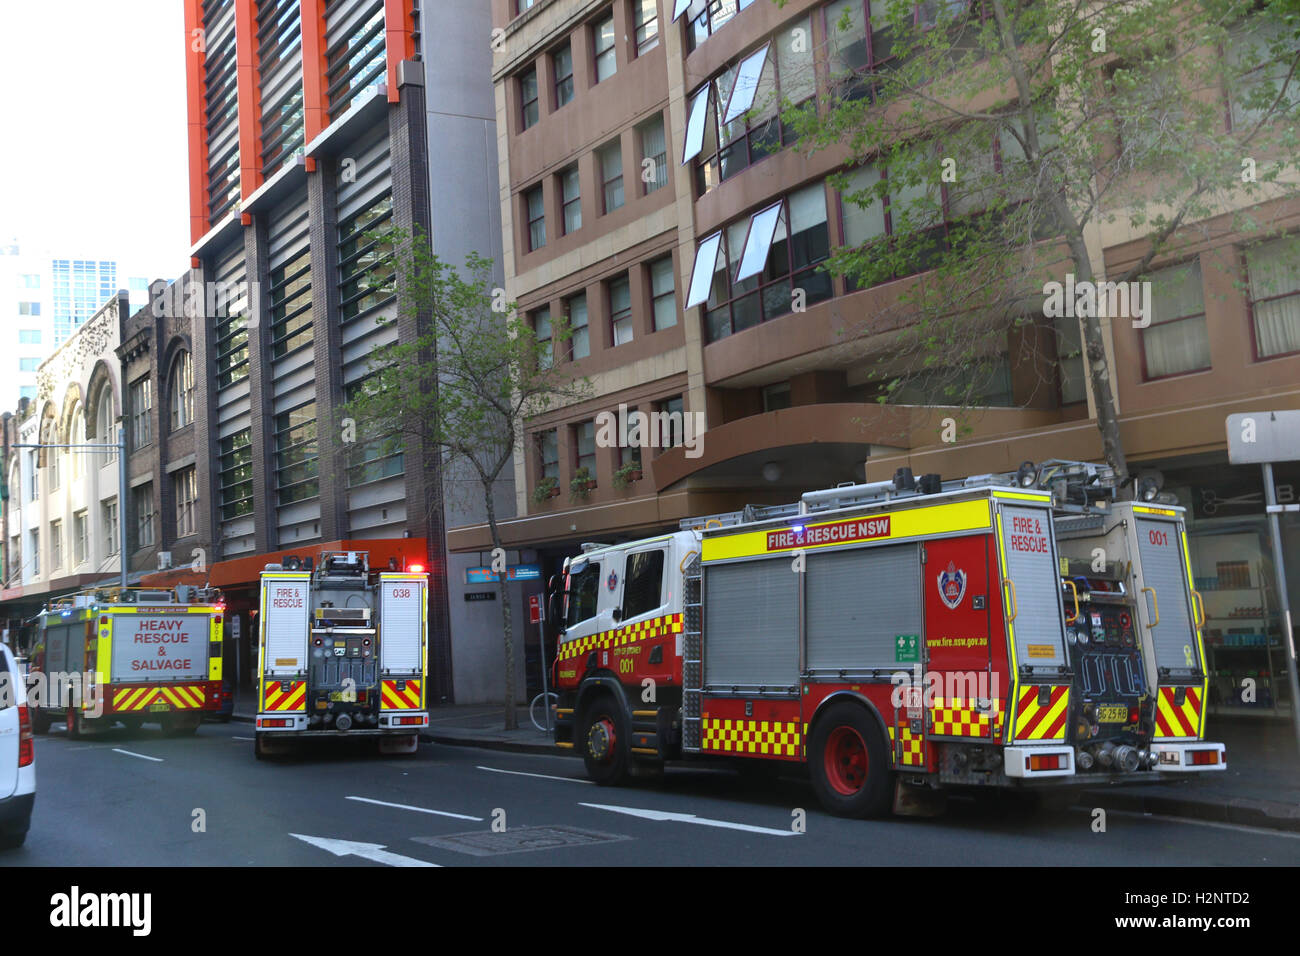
x=1174 y=638
x=401 y=625
x=1031 y=567
x=286 y=626
x=751 y=625
x=858 y=603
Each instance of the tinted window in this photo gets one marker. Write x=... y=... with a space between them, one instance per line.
x=8 y=696
x=584 y=589
x=643 y=583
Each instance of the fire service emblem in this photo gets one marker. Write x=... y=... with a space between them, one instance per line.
x=952 y=586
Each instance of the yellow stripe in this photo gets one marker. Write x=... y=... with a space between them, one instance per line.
x=296 y=698
x=910 y=523
x=1014 y=668
x=1200 y=643
x=1023 y=495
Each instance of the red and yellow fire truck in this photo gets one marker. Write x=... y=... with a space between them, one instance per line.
x=128 y=655
x=898 y=637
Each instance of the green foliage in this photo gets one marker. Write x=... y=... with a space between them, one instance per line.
x=542 y=490
x=627 y=474
x=578 y=490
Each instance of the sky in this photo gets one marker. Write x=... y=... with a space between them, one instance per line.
x=93 y=152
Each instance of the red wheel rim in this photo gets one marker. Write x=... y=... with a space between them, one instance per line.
x=601 y=740
x=846 y=760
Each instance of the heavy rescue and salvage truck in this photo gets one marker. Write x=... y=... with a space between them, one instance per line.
x=900 y=638
x=128 y=655
x=341 y=652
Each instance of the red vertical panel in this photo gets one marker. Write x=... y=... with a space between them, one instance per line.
x=315 y=105
x=399 y=42
x=250 y=97
x=195 y=89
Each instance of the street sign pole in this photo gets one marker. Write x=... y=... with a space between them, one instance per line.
x=538 y=614
x=1283 y=599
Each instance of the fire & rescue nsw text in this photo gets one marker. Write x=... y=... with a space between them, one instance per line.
x=859 y=529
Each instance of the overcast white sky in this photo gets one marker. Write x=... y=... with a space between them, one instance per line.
x=93 y=153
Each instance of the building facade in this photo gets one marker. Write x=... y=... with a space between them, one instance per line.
x=628 y=186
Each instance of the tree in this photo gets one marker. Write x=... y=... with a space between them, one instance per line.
x=462 y=386
x=1001 y=135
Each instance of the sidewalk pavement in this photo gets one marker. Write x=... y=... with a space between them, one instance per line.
x=1260 y=787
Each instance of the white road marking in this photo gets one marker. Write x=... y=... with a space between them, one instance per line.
x=403 y=806
x=1163 y=818
x=129 y=753
x=368 y=851
x=241 y=738
x=663 y=815
x=544 y=776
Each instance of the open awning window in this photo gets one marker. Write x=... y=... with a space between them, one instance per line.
x=706 y=260
x=748 y=75
x=695 y=124
x=679 y=8
x=762 y=226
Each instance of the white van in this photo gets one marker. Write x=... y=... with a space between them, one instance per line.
x=17 y=754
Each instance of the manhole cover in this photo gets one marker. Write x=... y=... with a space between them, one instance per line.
x=518 y=840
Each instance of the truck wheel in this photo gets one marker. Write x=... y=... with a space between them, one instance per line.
x=181 y=726
x=604 y=742
x=40 y=721
x=132 y=724
x=259 y=746
x=73 y=723
x=849 y=763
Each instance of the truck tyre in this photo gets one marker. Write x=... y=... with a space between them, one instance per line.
x=603 y=739
x=850 y=763
x=259 y=747
x=41 y=721
x=181 y=726
x=132 y=724
x=74 y=723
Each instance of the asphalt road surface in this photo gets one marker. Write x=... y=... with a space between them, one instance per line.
x=144 y=799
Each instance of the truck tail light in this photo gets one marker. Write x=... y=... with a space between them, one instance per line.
x=1045 y=762
x=26 y=745
x=274 y=722
x=217 y=619
x=404 y=721
x=1202 y=758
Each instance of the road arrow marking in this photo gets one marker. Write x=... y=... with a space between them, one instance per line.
x=403 y=806
x=118 y=750
x=368 y=851
x=544 y=776
x=664 y=815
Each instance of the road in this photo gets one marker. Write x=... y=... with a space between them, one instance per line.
x=143 y=799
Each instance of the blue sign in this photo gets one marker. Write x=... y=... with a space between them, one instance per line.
x=515 y=572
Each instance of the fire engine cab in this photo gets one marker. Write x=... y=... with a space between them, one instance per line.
x=898 y=637
x=342 y=652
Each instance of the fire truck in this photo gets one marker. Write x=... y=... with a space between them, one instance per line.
x=900 y=638
x=129 y=656
x=342 y=652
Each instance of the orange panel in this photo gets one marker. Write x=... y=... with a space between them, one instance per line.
x=250 y=97
x=198 y=141
x=314 y=66
x=399 y=43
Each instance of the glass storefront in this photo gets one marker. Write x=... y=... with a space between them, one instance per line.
x=1232 y=567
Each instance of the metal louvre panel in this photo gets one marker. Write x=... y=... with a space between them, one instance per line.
x=360 y=184
x=344 y=16
x=1039 y=621
x=1162 y=569
x=858 y=602
x=280 y=65
x=286 y=231
x=221 y=119
x=751 y=626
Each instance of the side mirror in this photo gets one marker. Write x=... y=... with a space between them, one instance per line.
x=618 y=614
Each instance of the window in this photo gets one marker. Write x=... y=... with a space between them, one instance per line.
x=56 y=545
x=1175 y=341
x=620 y=311
x=141 y=413
x=528 y=97
x=36 y=553
x=80 y=538
x=296 y=465
x=911 y=209
x=522 y=5
x=54 y=458
x=571 y=198
x=855 y=52
x=542 y=331
x=105 y=426
x=33 y=463
x=30 y=281
x=584 y=594
x=646 y=20
x=236 y=476
x=29 y=308
x=735 y=118
x=1274 y=280
x=562 y=64
x=628 y=453
x=584 y=448
x=108 y=521
x=1072 y=384
x=706 y=17
x=776 y=397
x=77 y=436
x=654 y=154
x=669 y=418
x=28 y=364
x=142 y=499
x=580 y=340
x=290 y=297
x=536 y=210
x=603 y=45
x=643 y=582
x=383 y=456
x=181 y=390
x=29 y=336
x=758 y=265
x=27 y=391
x=609 y=158
x=185 y=489
x=1257 y=73
x=662 y=293
x=366 y=259
x=548 y=453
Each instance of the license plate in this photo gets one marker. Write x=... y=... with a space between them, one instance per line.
x=156 y=708
x=339 y=695
x=1112 y=715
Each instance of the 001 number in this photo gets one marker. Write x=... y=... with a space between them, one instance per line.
x=626 y=665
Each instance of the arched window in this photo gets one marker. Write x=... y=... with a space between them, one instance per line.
x=105 y=426
x=180 y=389
x=77 y=436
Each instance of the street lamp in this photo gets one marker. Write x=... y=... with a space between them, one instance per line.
x=121 y=490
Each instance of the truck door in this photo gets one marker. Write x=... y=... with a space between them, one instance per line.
x=285 y=622
x=643 y=625
x=964 y=696
x=594 y=587
x=1035 y=622
x=1165 y=605
x=402 y=621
